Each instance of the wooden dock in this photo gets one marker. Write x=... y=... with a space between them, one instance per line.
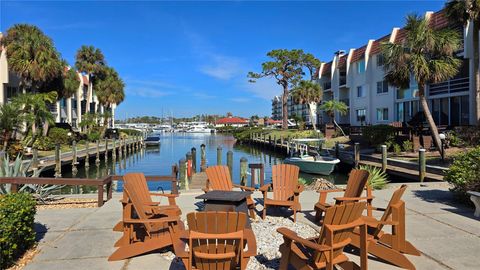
x=404 y=169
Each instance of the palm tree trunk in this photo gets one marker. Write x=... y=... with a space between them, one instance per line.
x=5 y=140
x=476 y=64
x=285 y=107
x=429 y=117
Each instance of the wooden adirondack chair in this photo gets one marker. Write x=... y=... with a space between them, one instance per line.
x=141 y=182
x=325 y=251
x=216 y=240
x=286 y=189
x=357 y=180
x=389 y=247
x=219 y=179
x=147 y=228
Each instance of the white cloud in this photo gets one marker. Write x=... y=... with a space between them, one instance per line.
x=265 y=88
x=240 y=100
x=222 y=67
x=147 y=92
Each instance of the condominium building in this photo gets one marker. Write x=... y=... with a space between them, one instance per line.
x=293 y=108
x=356 y=78
x=66 y=110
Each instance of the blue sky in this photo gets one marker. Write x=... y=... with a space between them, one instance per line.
x=192 y=57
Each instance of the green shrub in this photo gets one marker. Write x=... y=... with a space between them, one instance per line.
x=15 y=149
x=378 y=179
x=59 y=135
x=17 y=215
x=131 y=132
x=464 y=173
x=452 y=139
x=44 y=144
x=93 y=136
x=378 y=134
x=397 y=149
x=469 y=135
x=407 y=146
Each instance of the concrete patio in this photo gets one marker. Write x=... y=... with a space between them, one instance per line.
x=447 y=234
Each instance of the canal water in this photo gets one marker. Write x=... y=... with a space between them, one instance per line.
x=158 y=160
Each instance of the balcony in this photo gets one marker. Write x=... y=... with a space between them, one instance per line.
x=449 y=87
x=343 y=80
x=346 y=101
x=327 y=85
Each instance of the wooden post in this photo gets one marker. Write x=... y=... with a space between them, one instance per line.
x=194 y=160
x=188 y=158
x=58 y=161
x=97 y=160
x=230 y=163
x=384 y=158
x=219 y=155
x=274 y=142
x=183 y=173
x=106 y=151
x=356 y=154
x=120 y=149
x=74 y=158
x=87 y=154
x=34 y=158
x=422 y=166
x=114 y=149
x=243 y=171
x=203 y=158
x=125 y=149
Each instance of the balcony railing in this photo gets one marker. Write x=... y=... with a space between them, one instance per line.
x=343 y=80
x=327 y=85
x=451 y=86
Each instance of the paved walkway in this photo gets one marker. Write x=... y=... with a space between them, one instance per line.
x=447 y=234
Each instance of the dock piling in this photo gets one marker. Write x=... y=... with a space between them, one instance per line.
x=106 y=151
x=188 y=157
x=97 y=159
x=194 y=160
x=219 y=155
x=356 y=154
x=183 y=172
x=203 y=158
x=74 y=158
x=243 y=171
x=422 y=166
x=384 y=158
x=87 y=154
x=230 y=163
x=58 y=161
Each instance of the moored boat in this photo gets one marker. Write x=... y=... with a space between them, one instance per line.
x=318 y=164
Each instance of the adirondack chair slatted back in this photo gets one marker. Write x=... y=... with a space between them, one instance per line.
x=216 y=239
x=396 y=198
x=219 y=178
x=338 y=215
x=284 y=180
x=136 y=188
x=356 y=183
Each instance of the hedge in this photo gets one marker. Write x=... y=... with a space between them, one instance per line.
x=378 y=134
x=464 y=173
x=17 y=234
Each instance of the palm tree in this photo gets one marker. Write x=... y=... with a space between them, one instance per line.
x=427 y=55
x=334 y=106
x=462 y=12
x=89 y=60
x=310 y=93
x=35 y=110
x=31 y=56
x=109 y=91
x=9 y=122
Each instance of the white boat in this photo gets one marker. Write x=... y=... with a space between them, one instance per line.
x=152 y=140
x=199 y=127
x=323 y=165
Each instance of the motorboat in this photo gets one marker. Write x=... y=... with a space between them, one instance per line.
x=318 y=164
x=199 y=127
x=152 y=140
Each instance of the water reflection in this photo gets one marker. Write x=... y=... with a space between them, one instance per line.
x=157 y=160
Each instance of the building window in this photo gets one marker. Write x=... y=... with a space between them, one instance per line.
x=382 y=87
x=361 y=91
x=380 y=60
x=11 y=92
x=361 y=114
x=382 y=114
x=361 y=66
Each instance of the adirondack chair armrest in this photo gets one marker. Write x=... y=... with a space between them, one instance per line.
x=164 y=195
x=265 y=188
x=205 y=189
x=353 y=198
x=151 y=203
x=243 y=188
x=378 y=209
x=291 y=235
x=151 y=221
x=388 y=222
